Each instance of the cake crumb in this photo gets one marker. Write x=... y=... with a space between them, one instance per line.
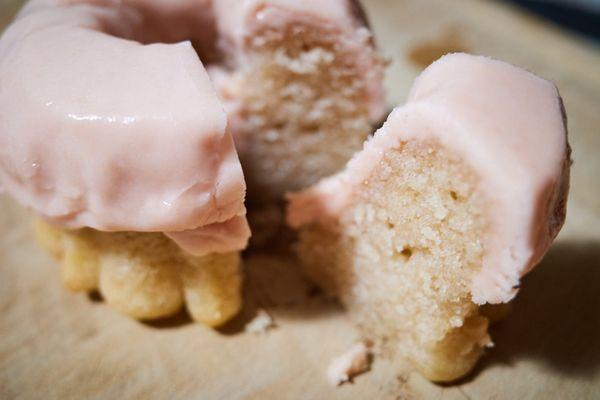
x=354 y=362
x=261 y=323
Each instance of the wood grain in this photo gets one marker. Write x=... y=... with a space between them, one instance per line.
x=57 y=345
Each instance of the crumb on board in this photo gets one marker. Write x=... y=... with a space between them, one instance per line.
x=261 y=323
x=353 y=362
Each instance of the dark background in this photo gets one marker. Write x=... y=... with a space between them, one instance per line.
x=580 y=16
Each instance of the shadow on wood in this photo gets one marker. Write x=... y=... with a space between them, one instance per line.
x=180 y=319
x=556 y=316
x=275 y=282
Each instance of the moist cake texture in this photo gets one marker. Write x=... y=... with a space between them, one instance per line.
x=409 y=247
x=302 y=84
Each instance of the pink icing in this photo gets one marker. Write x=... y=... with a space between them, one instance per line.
x=103 y=132
x=510 y=126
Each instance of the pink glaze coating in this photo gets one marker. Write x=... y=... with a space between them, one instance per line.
x=510 y=126
x=104 y=132
x=239 y=23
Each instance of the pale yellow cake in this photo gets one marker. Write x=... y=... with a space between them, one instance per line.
x=146 y=275
x=402 y=258
x=303 y=108
x=303 y=87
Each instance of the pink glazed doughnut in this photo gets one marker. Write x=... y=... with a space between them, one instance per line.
x=117 y=137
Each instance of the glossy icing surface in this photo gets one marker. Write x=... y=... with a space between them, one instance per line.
x=108 y=133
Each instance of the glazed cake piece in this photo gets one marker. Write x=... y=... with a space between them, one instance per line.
x=128 y=158
x=302 y=85
x=457 y=196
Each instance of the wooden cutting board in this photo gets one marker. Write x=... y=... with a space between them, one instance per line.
x=58 y=345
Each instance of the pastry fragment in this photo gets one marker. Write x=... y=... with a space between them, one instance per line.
x=302 y=85
x=458 y=195
x=261 y=323
x=345 y=367
x=129 y=146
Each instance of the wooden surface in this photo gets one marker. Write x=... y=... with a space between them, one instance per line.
x=57 y=345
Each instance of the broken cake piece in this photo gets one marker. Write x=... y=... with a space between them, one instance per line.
x=345 y=367
x=302 y=84
x=454 y=199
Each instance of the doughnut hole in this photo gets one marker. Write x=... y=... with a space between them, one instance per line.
x=401 y=259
